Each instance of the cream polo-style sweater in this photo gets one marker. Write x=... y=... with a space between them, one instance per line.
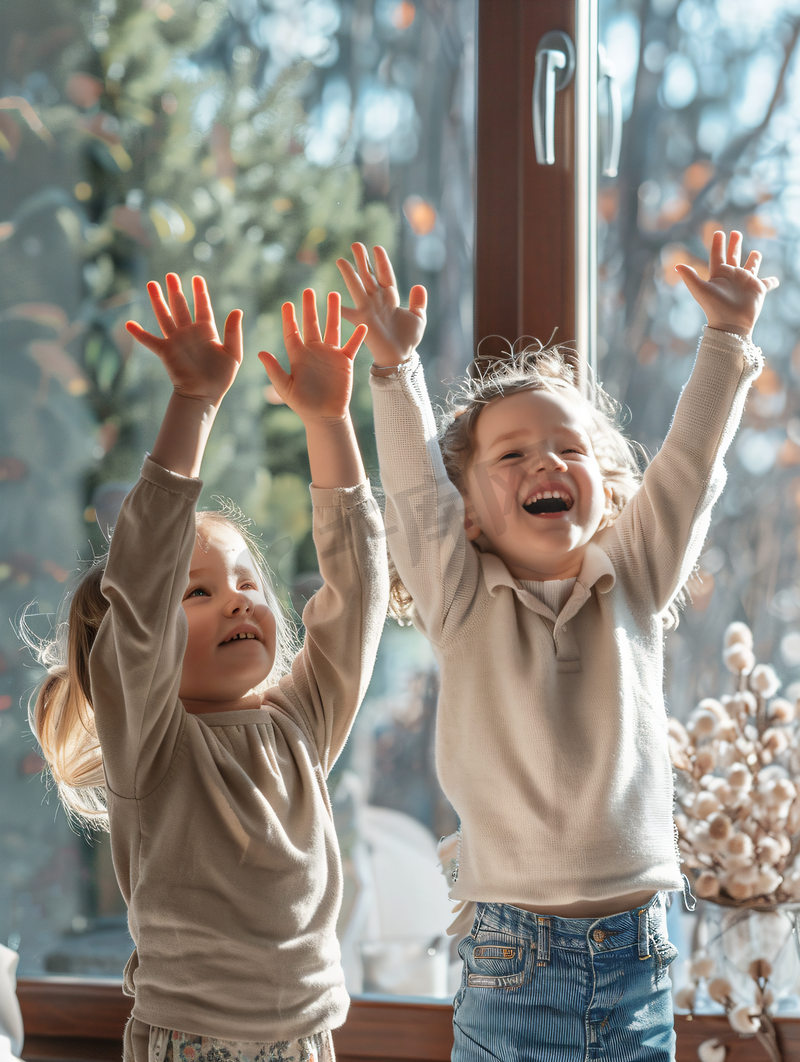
x=221 y=826
x=552 y=730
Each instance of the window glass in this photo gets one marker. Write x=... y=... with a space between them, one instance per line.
x=709 y=93
x=251 y=141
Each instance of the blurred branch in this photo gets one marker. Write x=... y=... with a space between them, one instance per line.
x=726 y=164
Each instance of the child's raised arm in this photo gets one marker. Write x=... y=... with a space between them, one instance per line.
x=200 y=367
x=394 y=332
x=660 y=532
x=318 y=389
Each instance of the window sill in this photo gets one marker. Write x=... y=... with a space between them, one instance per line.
x=76 y=1020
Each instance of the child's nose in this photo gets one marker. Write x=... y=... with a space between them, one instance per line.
x=551 y=461
x=239 y=603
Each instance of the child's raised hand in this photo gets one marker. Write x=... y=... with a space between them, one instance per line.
x=733 y=295
x=321 y=378
x=198 y=364
x=394 y=332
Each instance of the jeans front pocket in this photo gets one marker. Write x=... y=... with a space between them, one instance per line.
x=664 y=951
x=492 y=960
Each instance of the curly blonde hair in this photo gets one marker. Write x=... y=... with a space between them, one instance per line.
x=61 y=712
x=536 y=368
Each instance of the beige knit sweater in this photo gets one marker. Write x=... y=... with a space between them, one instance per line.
x=551 y=731
x=221 y=827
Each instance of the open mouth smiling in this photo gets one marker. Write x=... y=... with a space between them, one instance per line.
x=548 y=501
x=241 y=636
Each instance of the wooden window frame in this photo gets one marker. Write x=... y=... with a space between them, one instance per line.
x=78 y=1020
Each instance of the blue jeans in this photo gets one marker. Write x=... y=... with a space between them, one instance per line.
x=546 y=989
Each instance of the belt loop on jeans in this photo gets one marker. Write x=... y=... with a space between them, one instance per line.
x=644 y=933
x=542 y=941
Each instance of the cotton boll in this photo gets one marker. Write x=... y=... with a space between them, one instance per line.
x=781 y=711
x=702 y=724
x=739 y=659
x=742 y=805
x=727 y=732
x=684 y=998
x=739 y=890
x=745 y=1019
x=677 y=730
x=783 y=791
x=791 y=885
x=760 y=969
x=743 y=703
x=678 y=756
x=718 y=786
x=775 y=740
x=700 y=839
x=767 y=881
x=701 y=965
x=711 y=782
x=720 y=990
x=764 y=680
x=746 y=749
x=771 y=774
x=712 y=1051
x=726 y=753
x=706 y=760
x=724 y=794
x=740 y=846
x=738 y=634
x=711 y=704
x=706 y=805
x=707 y=886
x=793 y=818
x=719 y=828
x=770 y=851
x=739 y=777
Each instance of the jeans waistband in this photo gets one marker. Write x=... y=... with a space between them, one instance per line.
x=581 y=934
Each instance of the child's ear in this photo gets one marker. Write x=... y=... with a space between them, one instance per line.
x=608 y=512
x=472 y=529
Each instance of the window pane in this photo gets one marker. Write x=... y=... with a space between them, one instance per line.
x=710 y=100
x=252 y=141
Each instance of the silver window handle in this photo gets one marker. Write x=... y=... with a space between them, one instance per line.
x=555 y=65
x=611 y=122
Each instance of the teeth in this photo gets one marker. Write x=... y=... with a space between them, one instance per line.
x=238 y=637
x=541 y=495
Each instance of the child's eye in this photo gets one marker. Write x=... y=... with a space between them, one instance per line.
x=197 y=592
x=510 y=455
x=248 y=586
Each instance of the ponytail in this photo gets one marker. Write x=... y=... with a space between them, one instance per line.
x=62 y=716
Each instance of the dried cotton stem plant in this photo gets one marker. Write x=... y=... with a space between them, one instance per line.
x=738 y=822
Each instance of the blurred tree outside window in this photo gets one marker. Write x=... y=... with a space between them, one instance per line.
x=251 y=141
x=711 y=140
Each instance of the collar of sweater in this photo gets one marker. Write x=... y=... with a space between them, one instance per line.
x=596 y=570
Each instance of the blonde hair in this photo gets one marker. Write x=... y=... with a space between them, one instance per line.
x=535 y=368
x=61 y=713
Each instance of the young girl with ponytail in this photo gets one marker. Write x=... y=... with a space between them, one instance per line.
x=174 y=714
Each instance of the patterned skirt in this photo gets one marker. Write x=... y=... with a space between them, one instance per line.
x=182 y=1047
